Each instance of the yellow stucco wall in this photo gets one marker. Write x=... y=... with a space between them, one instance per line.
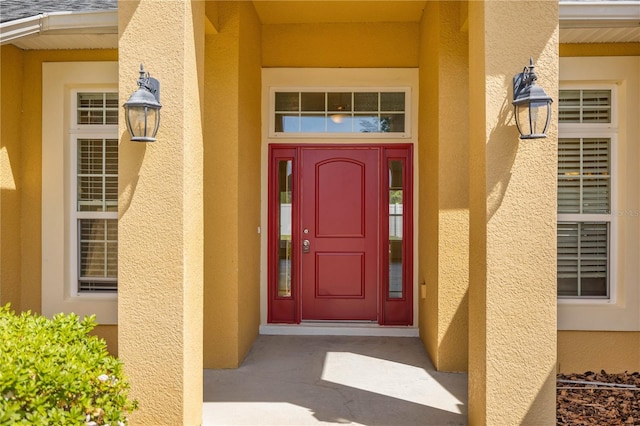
x=11 y=73
x=600 y=49
x=22 y=84
x=232 y=186
x=249 y=197
x=443 y=198
x=512 y=291
x=160 y=208
x=366 y=45
x=612 y=351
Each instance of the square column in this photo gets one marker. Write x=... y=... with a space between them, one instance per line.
x=444 y=184
x=512 y=290
x=160 y=226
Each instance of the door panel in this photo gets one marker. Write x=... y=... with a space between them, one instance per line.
x=340 y=222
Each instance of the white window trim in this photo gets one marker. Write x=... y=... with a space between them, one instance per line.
x=340 y=135
x=59 y=80
x=622 y=311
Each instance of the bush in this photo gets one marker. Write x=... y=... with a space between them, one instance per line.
x=53 y=373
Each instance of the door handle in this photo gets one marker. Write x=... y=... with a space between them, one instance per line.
x=306 y=246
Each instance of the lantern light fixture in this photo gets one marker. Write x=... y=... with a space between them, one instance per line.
x=142 y=110
x=532 y=105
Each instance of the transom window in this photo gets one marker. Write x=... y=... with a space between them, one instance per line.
x=94 y=145
x=585 y=188
x=585 y=106
x=355 y=113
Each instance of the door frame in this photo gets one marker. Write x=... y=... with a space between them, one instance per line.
x=391 y=311
x=277 y=78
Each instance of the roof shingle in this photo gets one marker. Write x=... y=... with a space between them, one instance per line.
x=11 y=10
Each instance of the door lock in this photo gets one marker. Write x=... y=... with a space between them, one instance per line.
x=306 y=246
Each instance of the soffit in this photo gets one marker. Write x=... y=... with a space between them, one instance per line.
x=600 y=21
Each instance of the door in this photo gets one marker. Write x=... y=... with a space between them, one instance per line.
x=340 y=244
x=340 y=222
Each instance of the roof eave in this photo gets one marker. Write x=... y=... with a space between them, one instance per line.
x=599 y=14
x=103 y=21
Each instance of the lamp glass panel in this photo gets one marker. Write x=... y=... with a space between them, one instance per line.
x=539 y=113
x=136 y=120
x=153 y=121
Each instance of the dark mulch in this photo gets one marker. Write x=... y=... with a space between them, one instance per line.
x=594 y=404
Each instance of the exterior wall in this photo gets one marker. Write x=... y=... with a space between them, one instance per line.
x=160 y=210
x=612 y=351
x=600 y=49
x=606 y=336
x=26 y=90
x=353 y=45
x=232 y=186
x=11 y=86
x=512 y=290
x=444 y=195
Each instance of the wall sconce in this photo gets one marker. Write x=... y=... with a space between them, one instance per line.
x=142 y=110
x=532 y=105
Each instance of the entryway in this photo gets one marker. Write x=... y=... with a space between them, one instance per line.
x=340 y=233
x=310 y=380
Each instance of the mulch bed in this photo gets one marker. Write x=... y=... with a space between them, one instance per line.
x=614 y=400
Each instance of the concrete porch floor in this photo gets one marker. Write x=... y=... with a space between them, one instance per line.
x=311 y=380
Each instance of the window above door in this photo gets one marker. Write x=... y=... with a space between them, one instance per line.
x=339 y=112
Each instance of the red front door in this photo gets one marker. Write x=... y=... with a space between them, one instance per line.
x=340 y=233
x=339 y=219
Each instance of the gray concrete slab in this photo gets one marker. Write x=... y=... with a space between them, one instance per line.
x=312 y=380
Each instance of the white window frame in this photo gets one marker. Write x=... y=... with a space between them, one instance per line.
x=605 y=131
x=620 y=311
x=83 y=131
x=336 y=79
x=59 y=288
x=340 y=135
x=610 y=218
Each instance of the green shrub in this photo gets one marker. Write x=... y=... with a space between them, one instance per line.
x=52 y=372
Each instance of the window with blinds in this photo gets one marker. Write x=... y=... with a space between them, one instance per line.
x=585 y=106
x=95 y=146
x=584 y=195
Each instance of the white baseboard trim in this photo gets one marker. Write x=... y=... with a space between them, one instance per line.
x=338 y=329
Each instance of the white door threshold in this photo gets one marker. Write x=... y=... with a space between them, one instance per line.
x=338 y=329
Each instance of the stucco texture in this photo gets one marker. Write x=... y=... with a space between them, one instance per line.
x=367 y=45
x=444 y=196
x=160 y=227
x=612 y=351
x=11 y=85
x=232 y=186
x=512 y=291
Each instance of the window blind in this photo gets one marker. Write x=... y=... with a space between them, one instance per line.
x=584 y=175
x=583 y=258
x=585 y=106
